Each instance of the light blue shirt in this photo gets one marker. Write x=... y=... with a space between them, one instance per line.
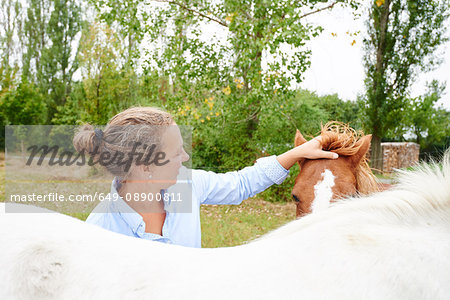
x=207 y=188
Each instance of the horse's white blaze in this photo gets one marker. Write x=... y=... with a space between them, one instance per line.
x=323 y=192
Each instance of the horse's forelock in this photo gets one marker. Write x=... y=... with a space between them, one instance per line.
x=343 y=140
x=340 y=138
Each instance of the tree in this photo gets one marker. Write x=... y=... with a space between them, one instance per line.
x=340 y=110
x=59 y=59
x=128 y=22
x=35 y=38
x=242 y=76
x=425 y=121
x=257 y=32
x=50 y=35
x=105 y=83
x=24 y=105
x=403 y=37
x=124 y=17
x=438 y=139
x=10 y=23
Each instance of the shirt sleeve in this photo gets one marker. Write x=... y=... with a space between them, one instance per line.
x=234 y=187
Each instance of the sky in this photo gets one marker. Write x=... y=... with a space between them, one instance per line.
x=337 y=65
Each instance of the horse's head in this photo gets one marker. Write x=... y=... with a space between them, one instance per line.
x=322 y=181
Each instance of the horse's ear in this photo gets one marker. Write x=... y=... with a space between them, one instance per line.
x=364 y=144
x=299 y=139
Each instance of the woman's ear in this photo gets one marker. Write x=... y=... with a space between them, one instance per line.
x=140 y=171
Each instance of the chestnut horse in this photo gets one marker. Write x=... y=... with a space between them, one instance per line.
x=389 y=245
x=323 y=181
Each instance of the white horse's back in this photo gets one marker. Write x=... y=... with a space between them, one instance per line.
x=393 y=245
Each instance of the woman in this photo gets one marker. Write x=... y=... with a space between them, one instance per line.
x=139 y=197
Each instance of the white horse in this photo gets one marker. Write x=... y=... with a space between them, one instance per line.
x=391 y=245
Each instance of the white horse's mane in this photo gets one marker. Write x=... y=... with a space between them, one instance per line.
x=422 y=192
x=391 y=245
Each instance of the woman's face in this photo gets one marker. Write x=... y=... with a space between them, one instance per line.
x=172 y=147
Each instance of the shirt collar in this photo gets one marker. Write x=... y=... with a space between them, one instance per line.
x=128 y=214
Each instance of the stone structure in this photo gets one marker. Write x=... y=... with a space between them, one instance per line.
x=399 y=155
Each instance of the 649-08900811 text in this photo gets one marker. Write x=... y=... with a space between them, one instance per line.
x=57 y=197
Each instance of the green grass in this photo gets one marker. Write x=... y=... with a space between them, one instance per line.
x=231 y=225
x=385 y=176
x=79 y=215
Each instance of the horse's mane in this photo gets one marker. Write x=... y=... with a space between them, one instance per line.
x=343 y=140
x=420 y=196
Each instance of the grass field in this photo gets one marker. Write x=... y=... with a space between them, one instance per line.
x=230 y=225
x=222 y=225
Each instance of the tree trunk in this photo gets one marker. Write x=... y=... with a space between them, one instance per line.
x=379 y=94
x=376 y=155
x=381 y=49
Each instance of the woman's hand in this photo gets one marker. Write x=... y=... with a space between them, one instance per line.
x=313 y=150
x=310 y=150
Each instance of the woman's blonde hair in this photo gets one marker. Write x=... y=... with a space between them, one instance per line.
x=136 y=127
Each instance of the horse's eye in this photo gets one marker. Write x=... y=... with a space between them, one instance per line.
x=295 y=198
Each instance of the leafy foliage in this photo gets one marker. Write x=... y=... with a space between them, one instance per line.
x=403 y=37
x=428 y=123
x=70 y=62
x=25 y=99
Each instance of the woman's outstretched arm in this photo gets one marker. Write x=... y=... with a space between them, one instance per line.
x=311 y=149
x=234 y=187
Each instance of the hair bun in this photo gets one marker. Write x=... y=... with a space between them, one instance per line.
x=85 y=140
x=98 y=134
